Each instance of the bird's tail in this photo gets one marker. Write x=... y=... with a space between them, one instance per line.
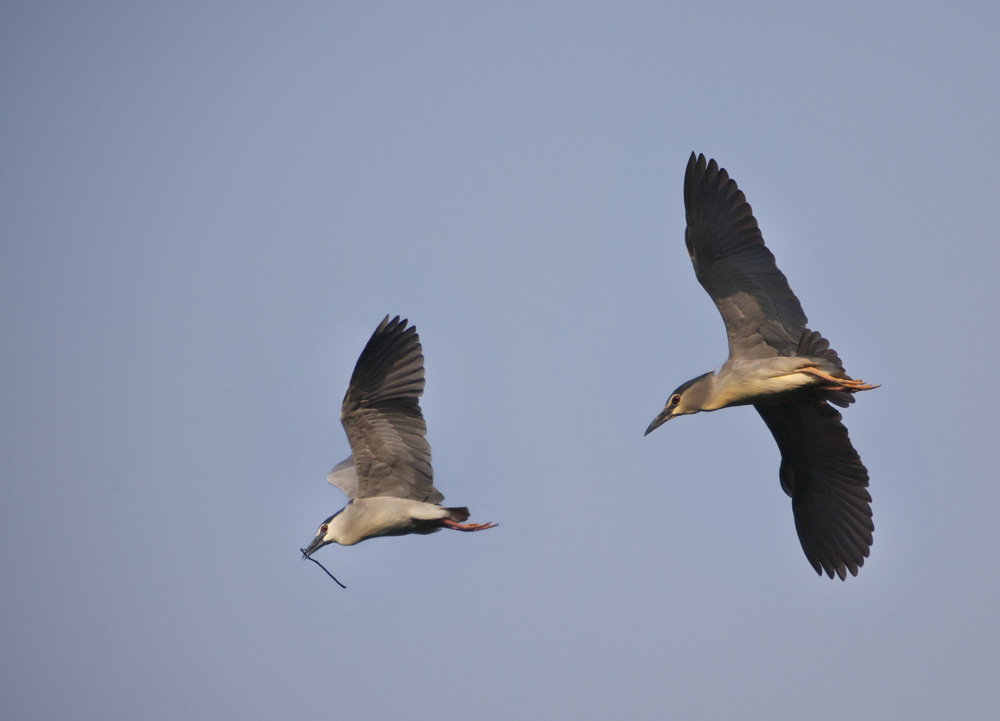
x=814 y=345
x=457 y=514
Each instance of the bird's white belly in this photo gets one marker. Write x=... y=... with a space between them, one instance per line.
x=774 y=385
x=756 y=381
x=384 y=515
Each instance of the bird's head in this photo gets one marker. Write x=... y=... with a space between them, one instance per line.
x=689 y=397
x=325 y=535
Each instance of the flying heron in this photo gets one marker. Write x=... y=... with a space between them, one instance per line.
x=388 y=478
x=788 y=373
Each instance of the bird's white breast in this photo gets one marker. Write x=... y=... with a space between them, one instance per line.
x=379 y=516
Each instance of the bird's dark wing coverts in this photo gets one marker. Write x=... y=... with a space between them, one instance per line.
x=827 y=482
x=381 y=416
x=762 y=315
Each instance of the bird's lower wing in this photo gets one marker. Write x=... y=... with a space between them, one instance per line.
x=827 y=482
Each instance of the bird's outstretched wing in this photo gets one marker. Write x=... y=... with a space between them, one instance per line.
x=762 y=315
x=381 y=416
x=827 y=482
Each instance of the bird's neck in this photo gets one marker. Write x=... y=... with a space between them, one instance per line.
x=713 y=394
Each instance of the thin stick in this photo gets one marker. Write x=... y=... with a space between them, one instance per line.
x=323 y=567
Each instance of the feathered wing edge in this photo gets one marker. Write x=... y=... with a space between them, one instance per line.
x=344 y=477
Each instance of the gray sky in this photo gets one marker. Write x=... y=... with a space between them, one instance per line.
x=207 y=208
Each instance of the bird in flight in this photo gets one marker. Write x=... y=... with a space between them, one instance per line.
x=388 y=478
x=788 y=373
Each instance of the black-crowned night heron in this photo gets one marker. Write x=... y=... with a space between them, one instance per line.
x=388 y=477
x=787 y=372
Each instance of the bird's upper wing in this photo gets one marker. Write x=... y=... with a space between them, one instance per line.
x=762 y=315
x=344 y=477
x=827 y=482
x=381 y=416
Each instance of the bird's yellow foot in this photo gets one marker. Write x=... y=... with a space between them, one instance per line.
x=855 y=385
x=467 y=526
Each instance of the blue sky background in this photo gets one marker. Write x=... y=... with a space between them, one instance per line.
x=208 y=207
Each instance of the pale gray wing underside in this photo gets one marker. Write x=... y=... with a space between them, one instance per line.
x=828 y=483
x=381 y=416
x=345 y=478
x=762 y=315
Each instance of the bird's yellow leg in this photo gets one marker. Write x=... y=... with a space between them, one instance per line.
x=467 y=526
x=846 y=384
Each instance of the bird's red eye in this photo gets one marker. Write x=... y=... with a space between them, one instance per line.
x=322 y=529
x=675 y=400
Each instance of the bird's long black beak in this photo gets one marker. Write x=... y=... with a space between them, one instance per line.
x=312 y=548
x=664 y=416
